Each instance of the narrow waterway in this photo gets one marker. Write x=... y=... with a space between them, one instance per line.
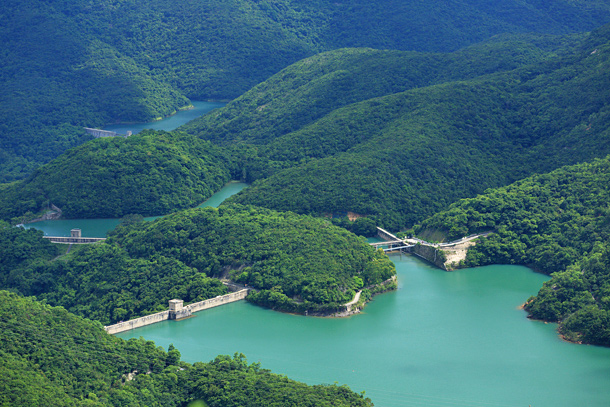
x=99 y=227
x=169 y=123
x=442 y=339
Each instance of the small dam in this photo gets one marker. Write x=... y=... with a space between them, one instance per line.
x=75 y=237
x=177 y=310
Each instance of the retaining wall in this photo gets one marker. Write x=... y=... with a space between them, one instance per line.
x=433 y=254
x=78 y=240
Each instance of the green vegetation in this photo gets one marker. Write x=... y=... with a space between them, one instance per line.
x=298 y=263
x=466 y=122
x=20 y=247
x=69 y=64
x=100 y=281
x=52 y=357
x=558 y=223
x=404 y=156
x=151 y=173
x=312 y=88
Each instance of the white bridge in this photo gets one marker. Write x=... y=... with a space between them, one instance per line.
x=97 y=133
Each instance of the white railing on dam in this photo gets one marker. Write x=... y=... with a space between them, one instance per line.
x=185 y=311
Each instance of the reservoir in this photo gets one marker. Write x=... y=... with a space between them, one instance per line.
x=99 y=227
x=169 y=123
x=442 y=339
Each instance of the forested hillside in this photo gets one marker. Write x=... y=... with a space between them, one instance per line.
x=404 y=156
x=151 y=173
x=310 y=89
x=155 y=174
x=558 y=223
x=299 y=263
x=478 y=118
x=69 y=64
x=51 y=357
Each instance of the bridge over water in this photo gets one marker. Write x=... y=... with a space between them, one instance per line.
x=393 y=243
x=97 y=133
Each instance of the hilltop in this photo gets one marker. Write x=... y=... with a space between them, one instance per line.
x=403 y=156
x=296 y=264
x=151 y=173
x=69 y=64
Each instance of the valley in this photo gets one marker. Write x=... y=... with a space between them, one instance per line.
x=319 y=122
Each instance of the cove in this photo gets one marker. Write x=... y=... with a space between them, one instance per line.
x=99 y=227
x=169 y=123
x=442 y=339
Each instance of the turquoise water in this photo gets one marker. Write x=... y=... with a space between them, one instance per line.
x=99 y=227
x=442 y=339
x=169 y=123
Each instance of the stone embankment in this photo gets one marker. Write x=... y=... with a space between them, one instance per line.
x=176 y=311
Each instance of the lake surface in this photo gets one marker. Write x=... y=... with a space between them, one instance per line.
x=169 y=123
x=442 y=339
x=99 y=227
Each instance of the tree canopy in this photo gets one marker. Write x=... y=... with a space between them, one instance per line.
x=557 y=223
x=52 y=357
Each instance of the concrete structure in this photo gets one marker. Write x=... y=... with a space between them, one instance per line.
x=75 y=233
x=392 y=243
x=443 y=255
x=176 y=311
x=76 y=240
x=97 y=133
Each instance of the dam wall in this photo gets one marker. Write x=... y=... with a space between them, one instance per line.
x=216 y=301
x=137 y=323
x=176 y=311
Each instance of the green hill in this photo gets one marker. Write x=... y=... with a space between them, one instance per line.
x=69 y=64
x=337 y=133
x=404 y=156
x=151 y=173
x=297 y=262
x=54 y=358
x=557 y=223
x=312 y=88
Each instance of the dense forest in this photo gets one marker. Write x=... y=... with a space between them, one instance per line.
x=69 y=64
x=52 y=357
x=378 y=151
x=443 y=118
x=402 y=157
x=151 y=173
x=297 y=264
x=557 y=223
